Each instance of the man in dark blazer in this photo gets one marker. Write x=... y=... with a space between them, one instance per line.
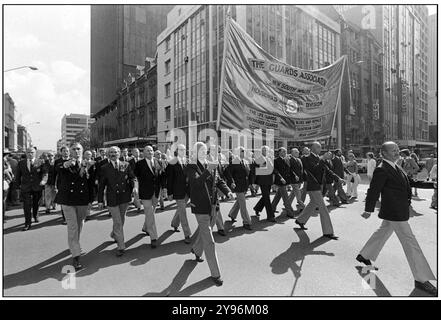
x=392 y=183
x=100 y=161
x=282 y=174
x=31 y=177
x=64 y=157
x=239 y=171
x=315 y=170
x=147 y=173
x=297 y=173
x=178 y=189
x=339 y=170
x=49 y=188
x=265 y=179
x=118 y=179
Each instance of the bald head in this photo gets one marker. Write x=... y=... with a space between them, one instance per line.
x=316 y=147
x=390 y=151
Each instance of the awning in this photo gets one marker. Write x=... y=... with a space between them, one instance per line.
x=151 y=139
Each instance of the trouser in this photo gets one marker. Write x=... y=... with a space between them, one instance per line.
x=136 y=200
x=161 y=198
x=282 y=192
x=418 y=264
x=317 y=202
x=341 y=194
x=180 y=216
x=331 y=193
x=435 y=198
x=304 y=191
x=149 y=211
x=205 y=242
x=49 y=196
x=240 y=204
x=5 y=196
x=265 y=201
x=31 y=202
x=119 y=216
x=218 y=219
x=13 y=194
x=296 y=193
x=352 y=186
x=75 y=216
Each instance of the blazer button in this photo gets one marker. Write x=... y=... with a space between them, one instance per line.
x=124 y=190
x=73 y=183
x=81 y=191
x=71 y=190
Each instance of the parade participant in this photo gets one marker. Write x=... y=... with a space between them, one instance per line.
x=147 y=173
x=88 y=159
x=178 y=189
x=239 y=171
x=49 y=188
x=162 y=177
x=433 y=175
x=31 y=177
x=135 y=158
x=353 y=177
x=392 y=183
x=13 y=194
x=330 y=180
x=204 y=182
x=339 y=169
x=429 y=165
x=101 y=160
x=118 y=179
x=64 y=157
x=75 y=195
x=94 y=155
x=125 y=155
x=252 y=177
x=265 y=179
x=371 y=165
x=315 y=169
x=297 y=176
x=283 y=177
x=305 y=153
x=415 y=172
x=8 y=177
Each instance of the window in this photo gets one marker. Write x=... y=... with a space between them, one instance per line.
x=167 y=113
x=167 y=44
x=167 y=66
x=167 y=90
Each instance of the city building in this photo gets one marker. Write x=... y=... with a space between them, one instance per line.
x=10 y=126
x=190 y=52
x=73 y=124
x=402 y=31
x=130 y=120
x=433 y=70
x=24 y=140
x=121 y=37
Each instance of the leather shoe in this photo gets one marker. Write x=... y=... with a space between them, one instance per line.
x=145 y=231
x=36 y=220
x=247 y=226
x=187 y=240
x=153 y=244
x=26 y=228
x=301 y=225
x=64 y=222
x=257 y=213
x=271 y=220
x=222 y=232
x=76 y=264
x=426 y=287
x=218 y=281
x=175 y=229
x=197 y=258
x=232 y=219
x=119 y=252
x=365 y=261
x=331 y=236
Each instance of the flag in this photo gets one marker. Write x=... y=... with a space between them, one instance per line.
x=261 y=92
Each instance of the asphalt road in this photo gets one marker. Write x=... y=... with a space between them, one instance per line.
x=271 y=260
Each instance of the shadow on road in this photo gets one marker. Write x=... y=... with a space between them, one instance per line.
x=297 y=252
x=54 y=222
x=378 y=287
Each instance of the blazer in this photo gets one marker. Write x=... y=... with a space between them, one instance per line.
x=74 y=189
x=30 y=180
x=329 y=177
x=315 y=169
x=56 y=167
x=264 y=171
x=132 y=163
x=395 y=191
x=119 y=183
x=296 y=167
x=149 y=183
x=282 y=169
x=177 y=185
x=239 y=175
x=50 y=169
x=99 y=163
x=339 y=168
x=201 y=188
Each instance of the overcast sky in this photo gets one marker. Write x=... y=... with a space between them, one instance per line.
x=56 y=39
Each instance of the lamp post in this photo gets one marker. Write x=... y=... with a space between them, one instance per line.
x=22 y=67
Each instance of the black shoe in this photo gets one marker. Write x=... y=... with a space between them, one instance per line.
x=218 y=281
x=26 y=228
x=271 y=220
x=76 y=264
x=247 y=226
x=330 y=236
x=48 y=211
x=64 y=222
x=175 y=229
x=426 y=287
x=367 y=262
x=145 y=231
x=120 y=252
x=153 y=244
x=36 y=220
x=344 y=202
x=197 y=258
x=222 y=232
x=301 y=225
x=187 y=240
x=257 y=213
x=291 y=216
x=232 y=219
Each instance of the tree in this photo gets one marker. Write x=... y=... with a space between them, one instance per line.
x=83 y=138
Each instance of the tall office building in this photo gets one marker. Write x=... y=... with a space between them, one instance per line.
x=122 y=36
x=73 y=124
x=433 y=69
x=190 y=52
x=10 y=125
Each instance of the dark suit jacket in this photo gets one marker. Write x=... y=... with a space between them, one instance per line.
x=148 y=181
x=238 y=174
x=265 y=179
x=50 y=169
x=329 y=177
x=395 y=193
x=296 y=167
x=282 y=169
x=315 y=169
x=119 y=183
x=339 y=168
x=74 y=189
x=132 y=163
x=56 y=167
x=99 y=163
x=30 y=180
x=201 y=188
x=177 y=185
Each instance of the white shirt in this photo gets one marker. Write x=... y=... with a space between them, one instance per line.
x=30 y=161
x=393 y=164
x=371 y=165
x=115 y=164
x=149 y=163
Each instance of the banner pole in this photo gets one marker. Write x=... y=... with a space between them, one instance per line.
x=338 y=109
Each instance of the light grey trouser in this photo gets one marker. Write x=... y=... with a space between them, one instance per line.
x=205 y=242
x=119 y=216
x=418 y=264
x=282 y=192
x=75 y=216
x=240 y=203
x=317 y=202
x=49 y=196
x=296 y=193
x=149 y=211
x=180 y=216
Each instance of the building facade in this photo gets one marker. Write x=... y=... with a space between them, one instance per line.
x=24 y=139
x=10 y=125
x=130 y=120
x=190 y=53
x=73 y=124
x=121 y=37
x=433 y=70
